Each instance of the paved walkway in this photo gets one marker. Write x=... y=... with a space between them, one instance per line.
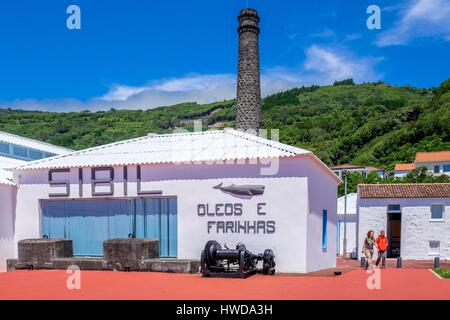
x=395 y=284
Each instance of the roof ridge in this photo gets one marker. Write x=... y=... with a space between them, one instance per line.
x=235 y=145
x=264 y=141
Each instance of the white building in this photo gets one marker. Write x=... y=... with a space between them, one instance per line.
x=15 y=151
x=351 y=220
x=416 y=218
x=186 y=189
x=403 y=169
x=438 y=163
x=339 y=170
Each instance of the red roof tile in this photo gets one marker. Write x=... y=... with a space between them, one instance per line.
x=404 y=166
x=432 y=156
x=406 y=190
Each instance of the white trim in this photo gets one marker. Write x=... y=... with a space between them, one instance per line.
x=438 y=276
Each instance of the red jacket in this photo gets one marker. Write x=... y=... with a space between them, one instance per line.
x=382 y=243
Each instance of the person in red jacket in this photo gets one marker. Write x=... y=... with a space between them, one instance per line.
x=382 y=244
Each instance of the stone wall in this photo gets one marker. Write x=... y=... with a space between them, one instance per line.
x=248 y=83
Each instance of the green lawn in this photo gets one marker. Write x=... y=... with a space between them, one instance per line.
x=444 y=273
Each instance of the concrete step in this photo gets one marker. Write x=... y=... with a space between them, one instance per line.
x=84 y=263
x=173 y=265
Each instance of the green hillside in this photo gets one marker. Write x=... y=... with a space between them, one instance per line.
x=368 y=124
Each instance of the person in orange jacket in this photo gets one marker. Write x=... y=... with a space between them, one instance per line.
x=382 y=245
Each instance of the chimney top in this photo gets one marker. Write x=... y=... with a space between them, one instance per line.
x=249 y=12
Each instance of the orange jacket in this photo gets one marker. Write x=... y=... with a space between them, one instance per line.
x=382 y=243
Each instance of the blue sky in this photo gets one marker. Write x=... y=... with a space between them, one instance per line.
x=142 y=54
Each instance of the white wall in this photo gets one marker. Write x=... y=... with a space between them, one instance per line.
x=430 y=166
x=352 y=223
x=7 y=204
x=322 y=195
x=286 y=197
x=401 y=173
x=352 y=226
x=416 y=228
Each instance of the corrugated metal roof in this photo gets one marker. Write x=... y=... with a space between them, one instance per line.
x=33 y=144
x=204 y=146
x=6 y=177
x=6 y=162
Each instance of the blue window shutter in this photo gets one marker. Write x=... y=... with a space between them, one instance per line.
x=324 y=228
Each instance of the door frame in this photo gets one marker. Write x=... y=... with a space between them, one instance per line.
x=389 y=214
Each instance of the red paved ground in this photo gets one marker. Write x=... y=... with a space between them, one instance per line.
x=395 y=284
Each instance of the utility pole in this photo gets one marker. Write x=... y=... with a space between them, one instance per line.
x=345 y=214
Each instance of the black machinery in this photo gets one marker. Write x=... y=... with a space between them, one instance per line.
x=234 y=263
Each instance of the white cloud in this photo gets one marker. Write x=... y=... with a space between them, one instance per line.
x=322 y=65
x=198 y=88
x=418 y=18
x=326 y=65
x=122 y=93
x=325 y=33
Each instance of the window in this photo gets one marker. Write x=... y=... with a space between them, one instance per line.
x=4 y=147
x=19 y=151
x=437 y=212
x=436 y=169
x=394 y=208
x=35 y=155
x=47 y=155
x=446 y=167
x=324 y=229
x=435 y=248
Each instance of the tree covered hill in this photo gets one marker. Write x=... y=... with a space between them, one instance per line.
x=368 y=124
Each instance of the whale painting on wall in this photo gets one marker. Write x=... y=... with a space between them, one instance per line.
x=242 y=190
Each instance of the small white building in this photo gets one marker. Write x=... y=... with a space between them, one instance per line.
x=438 y=163
x=350 y=219
x=186 y=189
x=339 y=170
x=416 y=218
x=403 y=169
x=15 y=151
